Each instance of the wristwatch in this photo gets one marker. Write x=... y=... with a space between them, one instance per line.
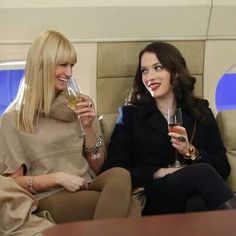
x=192 y=153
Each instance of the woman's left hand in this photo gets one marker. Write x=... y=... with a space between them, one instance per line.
x=180 y=140
x=85 y=111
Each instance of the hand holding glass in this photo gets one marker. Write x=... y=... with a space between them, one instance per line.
x=73 y=97
x=174 y=118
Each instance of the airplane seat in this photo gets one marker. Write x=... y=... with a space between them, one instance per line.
x=227 y=126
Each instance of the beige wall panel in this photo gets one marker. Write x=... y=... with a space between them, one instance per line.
x=98 y=3
x=84 y=22
x=193 y=52
x=219 y=57
x=118 y=20
x=198 y=91
x=111 y=93
x=223 y=19
x=13 y=52
x=86 y=68
x=120 y=59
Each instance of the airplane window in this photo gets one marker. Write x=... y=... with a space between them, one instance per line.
x=9 y=83
x=225 y=96
x=11 y=73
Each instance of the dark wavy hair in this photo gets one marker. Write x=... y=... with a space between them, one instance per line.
x=181 y=80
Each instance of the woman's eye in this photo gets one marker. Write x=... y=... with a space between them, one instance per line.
x=66 y=64
x=159 y=67
x=143 y=71
x=63 y=64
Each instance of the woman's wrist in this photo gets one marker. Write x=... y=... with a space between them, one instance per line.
x=93 y=150
x=56 y=178
x=90 y=137
x=31 y=184
x=89 y=130
x=158 y=174
x=192 y=153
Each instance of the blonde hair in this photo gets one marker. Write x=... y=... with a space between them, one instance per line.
x=37 y=91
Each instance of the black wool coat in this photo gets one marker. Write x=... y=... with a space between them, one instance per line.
x=140 y=142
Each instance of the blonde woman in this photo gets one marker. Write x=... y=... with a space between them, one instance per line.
x=41 y=148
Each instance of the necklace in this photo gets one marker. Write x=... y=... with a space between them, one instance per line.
x=164 y=114
x=165 y=105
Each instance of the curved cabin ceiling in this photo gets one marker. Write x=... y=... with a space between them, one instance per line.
x=113 y=20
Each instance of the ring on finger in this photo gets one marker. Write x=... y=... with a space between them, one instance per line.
x=182 y=139
x=90 y=104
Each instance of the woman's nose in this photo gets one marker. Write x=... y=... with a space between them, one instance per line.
x=149 y=79
x=68 y=70
x=150 y=75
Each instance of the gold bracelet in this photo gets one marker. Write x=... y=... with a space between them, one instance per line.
x=30 y=184
x=192 y=153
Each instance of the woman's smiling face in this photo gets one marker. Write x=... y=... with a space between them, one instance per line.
x=63 y=72
x=155 y=77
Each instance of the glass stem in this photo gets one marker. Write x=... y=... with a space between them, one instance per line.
x=177 y=163
x=82 y=132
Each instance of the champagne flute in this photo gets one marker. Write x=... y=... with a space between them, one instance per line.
x=73 y=97
x=174 y=118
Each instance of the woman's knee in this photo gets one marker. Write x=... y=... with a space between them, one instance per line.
x=203 y=171
x=115 y=176
x=205 y=168
x=117 y=173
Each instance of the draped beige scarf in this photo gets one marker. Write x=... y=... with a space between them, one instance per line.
x=17 y=208
x=56 y=146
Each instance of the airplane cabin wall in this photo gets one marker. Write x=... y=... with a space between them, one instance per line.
x=87 y=23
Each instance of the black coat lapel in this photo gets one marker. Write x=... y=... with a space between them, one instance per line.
x=153 y=118
x=188 y=124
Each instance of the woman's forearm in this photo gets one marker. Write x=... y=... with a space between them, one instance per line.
x=38 y=183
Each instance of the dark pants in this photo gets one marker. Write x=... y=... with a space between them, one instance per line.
x=196 y=187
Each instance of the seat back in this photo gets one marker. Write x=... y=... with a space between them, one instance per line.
x=107 y=122
x=227 y=126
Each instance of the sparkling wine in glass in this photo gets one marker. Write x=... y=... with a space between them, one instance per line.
x=73 y=97
x=174 y=118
